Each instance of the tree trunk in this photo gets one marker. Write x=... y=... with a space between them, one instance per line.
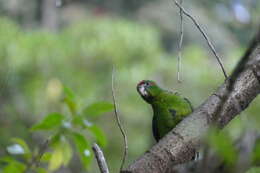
x=50 y=19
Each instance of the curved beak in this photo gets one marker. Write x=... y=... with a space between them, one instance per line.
x=142 y=90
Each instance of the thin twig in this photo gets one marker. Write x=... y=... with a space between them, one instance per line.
x=41 y=152
x=204 y=35
x=37 y=158
x=119 y=123
x=180 y=44
x=102 y=164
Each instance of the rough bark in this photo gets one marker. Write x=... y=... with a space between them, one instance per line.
x=232 y=97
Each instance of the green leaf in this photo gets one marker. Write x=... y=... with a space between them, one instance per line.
x=83 y=148
x=69 y=93
x=98 y=108
x=56 y=159
x=70 y=100
x=61 y=155
x=71 y=105
x=67 y=152
x=50 y=122
x=99 y=135
x=46 y=157
x=55 y=139
x=14 y=166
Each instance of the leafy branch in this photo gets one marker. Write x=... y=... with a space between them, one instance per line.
x=68 y=131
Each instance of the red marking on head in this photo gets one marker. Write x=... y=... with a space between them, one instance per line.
x=141 y=82
x=148 y=82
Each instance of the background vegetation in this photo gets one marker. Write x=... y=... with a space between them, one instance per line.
x=55 y=78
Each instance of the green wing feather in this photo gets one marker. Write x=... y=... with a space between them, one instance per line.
x=169 y=109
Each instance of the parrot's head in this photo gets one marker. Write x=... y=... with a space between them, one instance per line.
x=148 y=90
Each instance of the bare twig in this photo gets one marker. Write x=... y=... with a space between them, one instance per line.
x=41 y=152
x=102 y=164
x=180 y=44
x=119 y=122
x=204 y=35
x=37 y=158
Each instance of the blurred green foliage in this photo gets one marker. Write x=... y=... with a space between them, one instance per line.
x=256 y=153
x=66 y=133
x=37 y=65
x=254 y=170
x=223 y=145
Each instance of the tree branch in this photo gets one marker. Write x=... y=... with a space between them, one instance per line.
x=232 y=97
x=102 y=164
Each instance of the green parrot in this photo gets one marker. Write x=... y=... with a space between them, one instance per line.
x=168 y=108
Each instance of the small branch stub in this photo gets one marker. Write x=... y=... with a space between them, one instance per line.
x=102 y=164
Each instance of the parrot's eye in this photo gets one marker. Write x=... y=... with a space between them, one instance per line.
x=147 y=84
